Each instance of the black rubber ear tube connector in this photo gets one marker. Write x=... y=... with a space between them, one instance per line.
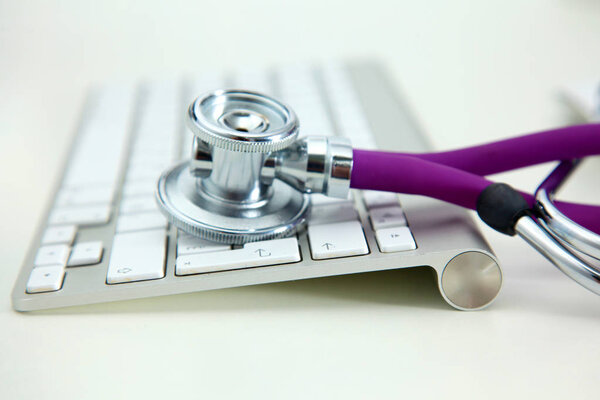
x=500 y=206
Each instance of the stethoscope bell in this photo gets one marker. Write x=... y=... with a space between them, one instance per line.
x=249 y=175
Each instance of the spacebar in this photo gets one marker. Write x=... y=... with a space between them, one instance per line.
x=137 y=256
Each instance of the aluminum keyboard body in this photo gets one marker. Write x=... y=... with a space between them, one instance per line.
x=103 y=239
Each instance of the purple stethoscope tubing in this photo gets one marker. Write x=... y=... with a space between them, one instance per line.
x=458 y=176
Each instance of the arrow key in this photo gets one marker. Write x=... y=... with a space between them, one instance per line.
x=85 y=253
x=46 y=279
x=387 y=217
x=395 y=239
x=341 y=239
x=52 y=255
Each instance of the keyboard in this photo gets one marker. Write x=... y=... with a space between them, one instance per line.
x=103 y=239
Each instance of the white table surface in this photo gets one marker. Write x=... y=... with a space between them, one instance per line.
x=473 y=71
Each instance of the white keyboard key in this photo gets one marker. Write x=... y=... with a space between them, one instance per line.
x=395 y=239
x=144 y=170
x=52 y=255
x=137 y=256
x=330 y=213
x=318 y=199
x=141 y=221
x=138 y=204
x=85 y=253
x=337 y=240
x=85 y=196
x=186 y=146
x=298 y=87
x=88 y=215
x=160 y=112
x=139 y=188
x=297 y=78
x=346 y=107
x=145 y=161
x=387 y=217
x=59 y=234
x=257 y=254
x=363 y=142
x=255 y=80
x=374 y=199
x=188 y=244
x=204 y=83
x=46 y=279
x=158 y=151
x=98 y=153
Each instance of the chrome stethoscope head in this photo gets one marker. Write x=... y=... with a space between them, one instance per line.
x=242 y=121
x=249 y=175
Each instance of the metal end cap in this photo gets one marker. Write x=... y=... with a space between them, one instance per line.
x=242 y=121
x=471 y=280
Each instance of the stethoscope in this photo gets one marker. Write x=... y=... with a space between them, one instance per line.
x=250 y=178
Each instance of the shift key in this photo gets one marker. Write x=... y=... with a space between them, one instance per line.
x=137 y=256
x=256 y=254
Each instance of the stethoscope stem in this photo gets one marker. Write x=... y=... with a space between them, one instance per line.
x=458 y=176
x=566 y=143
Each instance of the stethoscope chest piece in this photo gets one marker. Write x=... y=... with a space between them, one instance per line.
x=225 y=193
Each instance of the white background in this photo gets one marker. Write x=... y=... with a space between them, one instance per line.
x=473 y=71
